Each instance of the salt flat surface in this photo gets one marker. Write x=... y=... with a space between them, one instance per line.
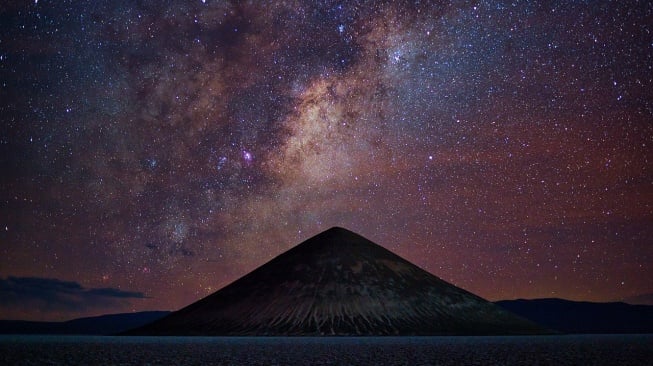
x=530 y=350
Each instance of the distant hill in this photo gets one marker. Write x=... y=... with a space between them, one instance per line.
x=98 y=325
x=339 y=283
x=584 y=317
x=562 y=315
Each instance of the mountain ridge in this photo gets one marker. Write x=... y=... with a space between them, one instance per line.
x=569 y=316
x=107 y=324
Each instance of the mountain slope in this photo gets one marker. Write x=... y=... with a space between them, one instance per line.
x=339 y=283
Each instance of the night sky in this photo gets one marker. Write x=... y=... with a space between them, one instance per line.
x=152 y=152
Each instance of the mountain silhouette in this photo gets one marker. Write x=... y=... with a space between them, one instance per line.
x=584 y=317
x=109 y=324
x=339 y=283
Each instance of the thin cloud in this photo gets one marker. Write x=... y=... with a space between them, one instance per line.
x=49 y=294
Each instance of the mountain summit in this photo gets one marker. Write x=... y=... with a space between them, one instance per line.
x=339 y=283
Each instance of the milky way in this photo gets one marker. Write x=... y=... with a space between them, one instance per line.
x=153 y=152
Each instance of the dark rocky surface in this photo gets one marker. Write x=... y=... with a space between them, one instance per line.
x=509 y=350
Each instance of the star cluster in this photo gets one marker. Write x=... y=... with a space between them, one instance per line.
x=163 y=149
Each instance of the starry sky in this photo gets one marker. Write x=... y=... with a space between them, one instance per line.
x=152 y=152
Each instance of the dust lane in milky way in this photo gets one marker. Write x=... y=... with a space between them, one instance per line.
x=151 y=153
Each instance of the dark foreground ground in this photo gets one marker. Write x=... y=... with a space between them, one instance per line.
x=530 y=350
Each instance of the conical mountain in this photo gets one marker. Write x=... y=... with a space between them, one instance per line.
x=339 y=283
